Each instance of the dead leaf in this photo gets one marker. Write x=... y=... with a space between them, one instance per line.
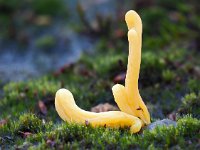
x=84 y=71
x=50 y=142
x=3 y=122
x=174 y=16
x=87 y=122
x=66 y=67
x=25 y=134
x=172 y=116
x=42 y=20
x=119 y=33
x=63 y=69
x=120 y=78
x=197 y=71
x=42 y=107
x=104 y=107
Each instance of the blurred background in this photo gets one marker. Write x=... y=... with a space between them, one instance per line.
x=40 y=36
x=83 y=43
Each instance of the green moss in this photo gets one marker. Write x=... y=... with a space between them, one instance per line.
x=29 y=123
x=151 y=68
x=11 y=4
x=194 y=85
x=42 y=7
x=22 y=97
x=168 y=75
x=191 y=105
x=50 y=7
x=76 y=136
x=107 y=66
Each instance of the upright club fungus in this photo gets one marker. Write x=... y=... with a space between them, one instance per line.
x=134 y=112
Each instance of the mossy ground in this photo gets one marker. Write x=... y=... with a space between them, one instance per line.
x=169 y=83
x=31 y=132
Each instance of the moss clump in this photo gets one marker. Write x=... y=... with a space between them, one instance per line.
x=71 y=135
x=189 y=125
x=194 y=85
x=23 y=97
x=47 y=7
x=151 y=68
x=59 y=136
x=50 y=7
x=107 y=67
x=29 y=123
x=171 y=137
x=168 y=75
x=191 y=105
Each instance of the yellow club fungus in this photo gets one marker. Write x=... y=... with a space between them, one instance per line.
x=128 y=98
x=133 y=112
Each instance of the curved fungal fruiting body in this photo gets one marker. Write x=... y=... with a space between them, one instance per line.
x=70 y=112
x=127 y=97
